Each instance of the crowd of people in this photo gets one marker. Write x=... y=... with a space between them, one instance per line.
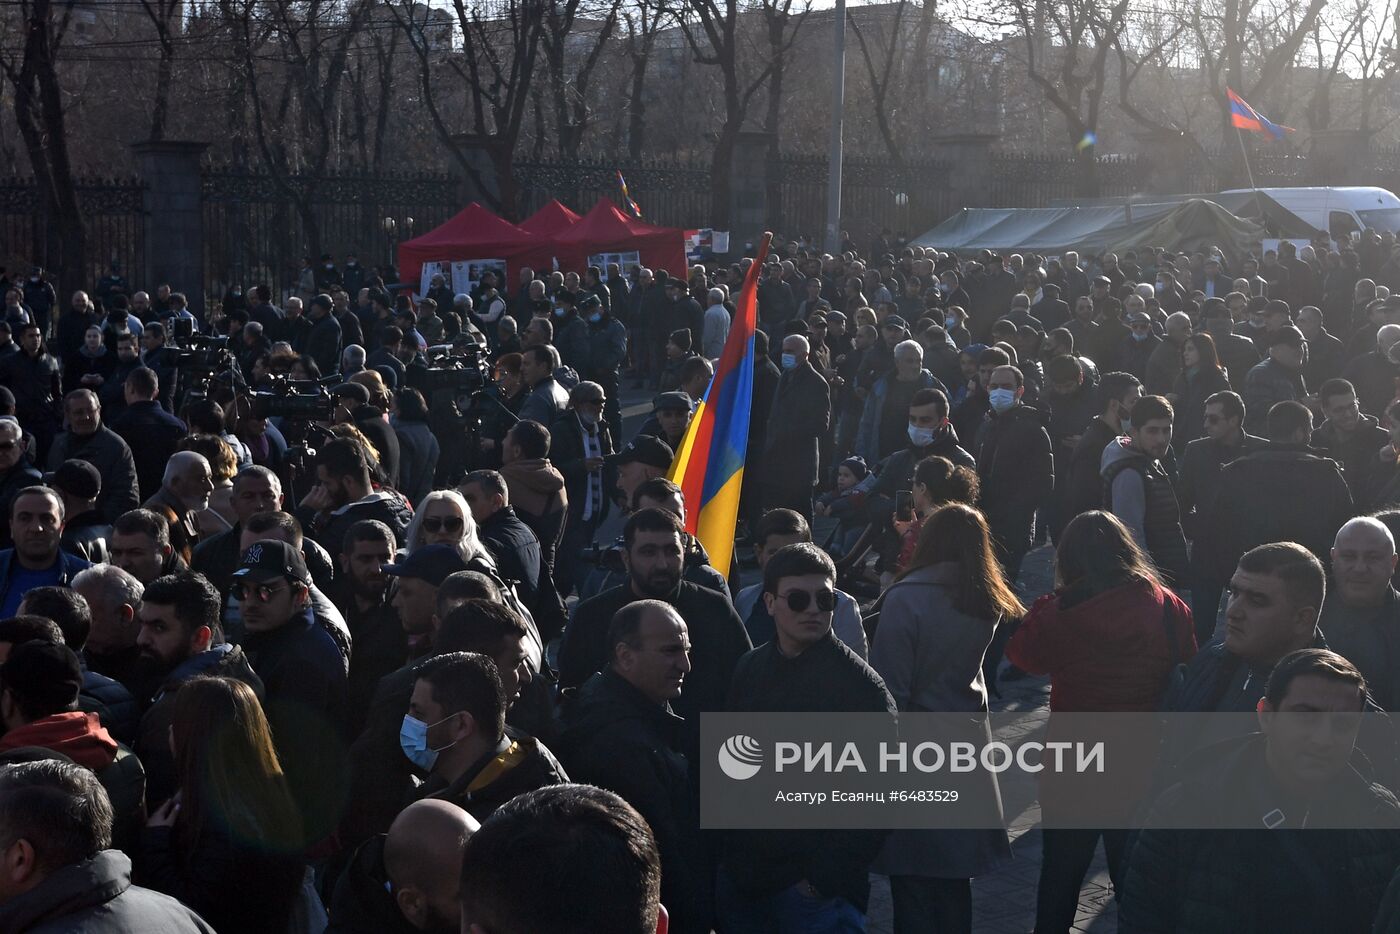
x=368 y=668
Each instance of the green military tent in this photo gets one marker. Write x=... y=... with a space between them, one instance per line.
x=1186 y=226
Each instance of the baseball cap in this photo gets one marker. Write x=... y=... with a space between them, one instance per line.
x=671 y=401
x=271 y=558
x=1102 y=280
x=77 y=478
x=644 y=449
x=45 y=673
x=351 y=391
x=590 y=301
x=895 y=321
x=432 y=563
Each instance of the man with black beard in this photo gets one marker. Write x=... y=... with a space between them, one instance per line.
x=653 y=553
x=361 y=594
x=180 y=638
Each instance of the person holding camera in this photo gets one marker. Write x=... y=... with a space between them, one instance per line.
x=343 y=495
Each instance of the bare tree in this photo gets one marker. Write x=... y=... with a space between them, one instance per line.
x=164 y=17
x=712 y=31
x=1066 y=47
x=643 y=21
x=570 y=72
x=32 y=68
x=884 y=52
x=496 y=71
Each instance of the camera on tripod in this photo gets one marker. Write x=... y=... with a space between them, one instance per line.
x=198 y=358
x=295 y=400
x=460 y=367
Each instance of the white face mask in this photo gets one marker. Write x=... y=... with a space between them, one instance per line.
x=921 y=437
x=1001 y=399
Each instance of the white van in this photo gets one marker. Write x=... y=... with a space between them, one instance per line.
x=1339 y=211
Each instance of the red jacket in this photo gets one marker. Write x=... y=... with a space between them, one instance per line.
x=77 y=735
x=1109 y=653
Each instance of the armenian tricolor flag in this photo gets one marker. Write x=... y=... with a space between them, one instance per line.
x=631 y=205
x=1245 y=117
x=709 y=467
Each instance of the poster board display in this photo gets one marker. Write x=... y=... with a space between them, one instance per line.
x=625 y=261
x=467 y=273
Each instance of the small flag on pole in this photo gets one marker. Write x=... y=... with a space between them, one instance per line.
x=627 y=198
x=1089 y=140
x=1245 y=117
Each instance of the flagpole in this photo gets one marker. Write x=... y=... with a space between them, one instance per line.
x=1245 y=152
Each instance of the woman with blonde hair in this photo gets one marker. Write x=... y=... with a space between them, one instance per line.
x=444 y=518
x=228 y=844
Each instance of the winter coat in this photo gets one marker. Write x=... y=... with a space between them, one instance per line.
x=873 y=414
x=1109 y=652
x=571 y=340
x=37 y=388
x=516 y=552
x=1197 y=881
x=930 y=654
x=616 y=738
x=418 y=458
x=117 y=710
x=362 y=902
x=717 y=637
x=797 y=421
x=1248 y=508
x=306 y=701
x=516 y=765
x=566 y=451
x=80 y=363
x=152 y=434
x=1357 y=453
x=1368 y=637
x=1268 y=384
x=1192 y=391
x=87 y=535
x=236 y=885
x=66 y=566
x=826 y=678
x=105 y=450
x=153 y=741
x=538 y=496
x=388 y=507
x=1017 y=469
x=1138 y=490
x=544 y=403
x=322 y=344
x=1198 y=472
x=607 y=349
x=96 y=896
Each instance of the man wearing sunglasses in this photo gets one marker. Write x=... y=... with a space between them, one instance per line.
x=805 y=668
x=303 y=676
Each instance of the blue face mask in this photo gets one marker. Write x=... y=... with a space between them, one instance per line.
x=595 y=317
x=1001 y=399
x=789 y=361
x=559 y=312
x=413 y=740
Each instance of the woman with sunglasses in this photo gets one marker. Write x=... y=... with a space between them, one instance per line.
x=936 y=621
x=1108 y=635
x=227 y=844
x=444 y=518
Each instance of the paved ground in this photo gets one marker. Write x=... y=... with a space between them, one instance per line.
x=1004 y=901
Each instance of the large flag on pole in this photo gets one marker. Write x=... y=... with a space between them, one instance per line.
x=709 y=467
x=1245 y=117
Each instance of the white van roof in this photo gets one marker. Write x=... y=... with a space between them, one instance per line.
x=1352 y=195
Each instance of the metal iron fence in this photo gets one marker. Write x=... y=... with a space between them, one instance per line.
x=114 y=219
x=671 y=192
x=254 y=233
x=876 y=194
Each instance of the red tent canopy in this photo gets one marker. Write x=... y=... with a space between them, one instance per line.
x=605 y=229
x=474 y=233
x=551 y=220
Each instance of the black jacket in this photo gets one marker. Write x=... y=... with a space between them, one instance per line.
x=826 y=678
x=362 y=902
x=1017 y=468
x=37 y=388
x=112 y=702
x=566 y=453
x=1370 y=639
x=1279 y=493
x=153 y=741
x=518 y=764
x=896 y=472
x=1257 y=882
x=717 y=636
x=304 y=675
x=105 y=450
x=87 y=535
x=385 y=505
x=1374 y=378
x=323 y=344
x=1357 y=454
x=152 y=434
x=616 y=738
x=516 y=551
x=234 y=885
x=797 y=421
x=1198 y=472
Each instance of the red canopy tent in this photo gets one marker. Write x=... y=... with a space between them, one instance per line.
x=550 y=221
x=605 y=229
x=473 y=233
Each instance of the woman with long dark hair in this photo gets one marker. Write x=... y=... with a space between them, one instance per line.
x=1108 y=635
x=936 y=621
x=228 y=843
x=1201 y=377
